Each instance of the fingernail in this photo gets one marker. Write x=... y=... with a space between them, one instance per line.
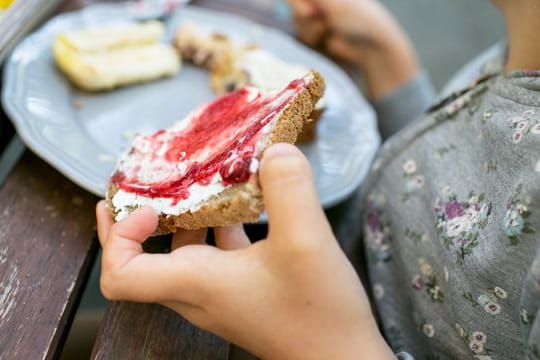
x=280 y=150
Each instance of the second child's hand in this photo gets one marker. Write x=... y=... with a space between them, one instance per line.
x=363 y=33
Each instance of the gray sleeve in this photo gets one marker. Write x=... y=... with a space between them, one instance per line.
x=403 y=105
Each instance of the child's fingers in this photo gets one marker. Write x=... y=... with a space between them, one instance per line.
x=188 y=237
x=231 y=237
x=124 y=238
x=176 y=277
x=104 y=221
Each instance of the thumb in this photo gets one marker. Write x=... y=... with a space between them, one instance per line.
x=293 y=208
x=124 y=239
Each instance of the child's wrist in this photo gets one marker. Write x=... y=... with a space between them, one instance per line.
x=387 y=65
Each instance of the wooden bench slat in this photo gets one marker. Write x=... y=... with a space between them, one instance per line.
x=147 y=331
x=47 y=246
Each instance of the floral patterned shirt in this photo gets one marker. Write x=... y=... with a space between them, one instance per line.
x=452 y=226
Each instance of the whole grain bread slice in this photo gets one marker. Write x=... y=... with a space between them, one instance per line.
x=242 y=203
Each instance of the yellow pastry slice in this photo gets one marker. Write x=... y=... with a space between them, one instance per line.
x=105 y=58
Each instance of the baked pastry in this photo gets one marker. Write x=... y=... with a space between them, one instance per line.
x=104 y=58
x=233 y=66
x=202 y=172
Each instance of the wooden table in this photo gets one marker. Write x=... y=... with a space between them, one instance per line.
x=48 y=245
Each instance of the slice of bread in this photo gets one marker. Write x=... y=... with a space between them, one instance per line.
x=233 y=66
x=237 y=202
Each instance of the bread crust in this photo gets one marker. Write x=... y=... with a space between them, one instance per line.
x=242 y=203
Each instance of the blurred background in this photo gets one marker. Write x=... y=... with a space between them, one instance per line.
x=447 y=34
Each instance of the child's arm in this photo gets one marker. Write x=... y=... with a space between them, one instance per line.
x=365 y=34
x=362 y=32
x=293 y=295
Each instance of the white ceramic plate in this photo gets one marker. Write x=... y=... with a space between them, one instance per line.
x=82 y=134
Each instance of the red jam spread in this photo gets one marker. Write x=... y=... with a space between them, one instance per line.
x=218 y=138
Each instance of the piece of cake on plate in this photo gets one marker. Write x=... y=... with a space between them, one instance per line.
x=110 y=56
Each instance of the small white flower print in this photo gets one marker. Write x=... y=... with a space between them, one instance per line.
x=516 y=138
x=460 y=330
x=429 y=330
x=527 y=114
x=414 y=180
x=484 y=299
x=427 y=281
x=458 y=225
x=446 y=190
x=516 y=119
x=476 y=347
x=524 y=315
x=479 y=337
x=378 y=291
x=477 y=343
x=493 y=308
x=473 y=214
x=522 y=126
x=487 y=115
x=426 y=269
x=435 y=293
x=500 y=293
x=410 y=167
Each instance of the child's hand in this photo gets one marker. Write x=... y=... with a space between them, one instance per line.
x=362 y=32
x=291 y=296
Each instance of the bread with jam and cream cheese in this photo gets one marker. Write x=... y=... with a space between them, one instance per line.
x=202 y=171
x=234 y=65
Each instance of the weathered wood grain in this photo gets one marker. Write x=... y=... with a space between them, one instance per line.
x=46 y=248
x=144 y=331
